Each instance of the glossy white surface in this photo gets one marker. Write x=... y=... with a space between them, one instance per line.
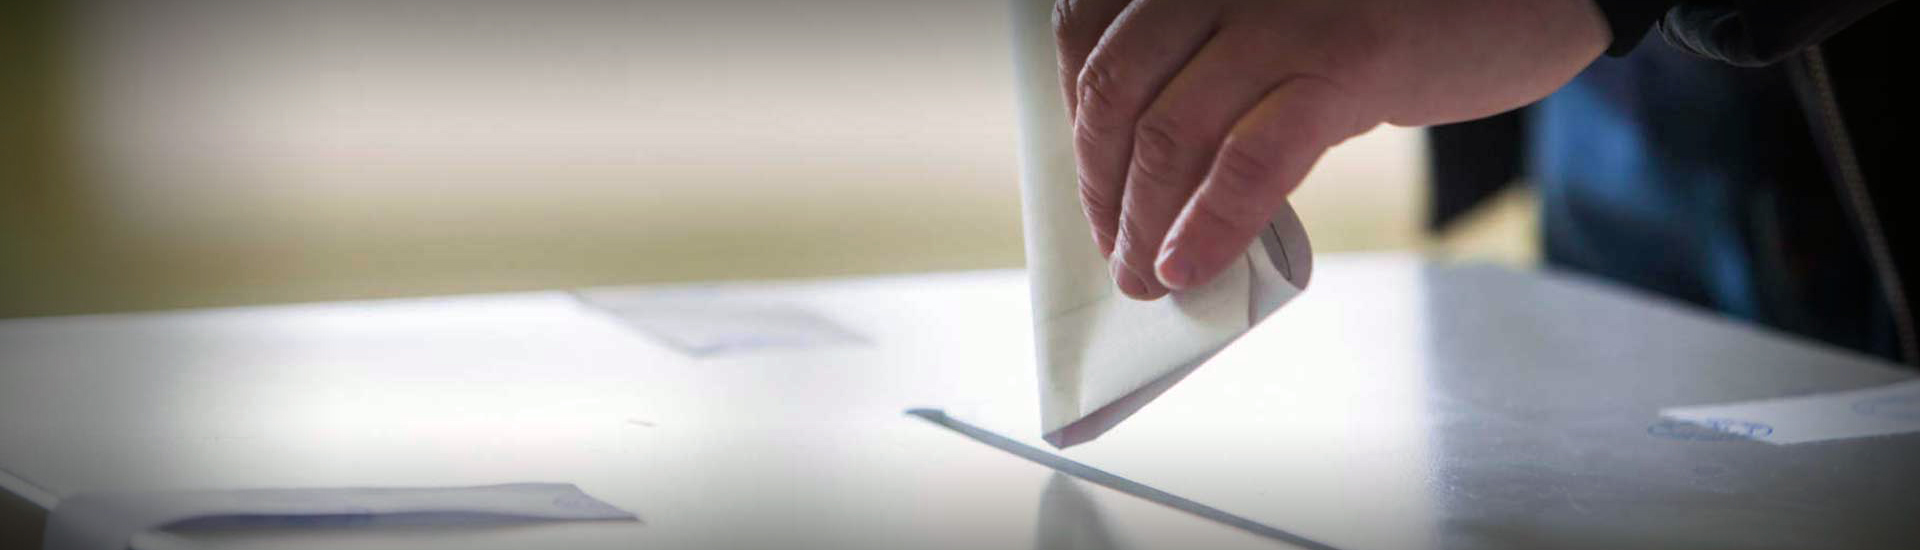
x=780 y=448
x=1394 y=405
x=1399 y=405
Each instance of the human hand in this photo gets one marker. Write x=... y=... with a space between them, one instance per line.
x=1193 y=119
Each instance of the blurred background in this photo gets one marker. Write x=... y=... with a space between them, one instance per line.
x=187 y=153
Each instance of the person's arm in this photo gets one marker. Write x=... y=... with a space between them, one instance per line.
x=1755 y=33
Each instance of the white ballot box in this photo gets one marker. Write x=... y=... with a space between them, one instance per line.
x=1398 y=404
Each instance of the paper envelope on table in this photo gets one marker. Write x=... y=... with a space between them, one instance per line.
x=1103 y=355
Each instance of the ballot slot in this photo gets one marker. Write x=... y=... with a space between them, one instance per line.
x=1100 y=477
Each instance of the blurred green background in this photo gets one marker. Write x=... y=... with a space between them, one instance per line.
x=186 y=153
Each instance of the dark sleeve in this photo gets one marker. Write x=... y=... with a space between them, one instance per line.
x=1630 y=20
x=1752 y=33
x=1470 y=162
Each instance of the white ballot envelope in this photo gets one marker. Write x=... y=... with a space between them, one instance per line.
x=1101 y=354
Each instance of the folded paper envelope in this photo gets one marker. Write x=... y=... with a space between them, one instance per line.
x=1101 y=354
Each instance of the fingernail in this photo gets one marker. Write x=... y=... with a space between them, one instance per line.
x=1129 y=284
x=1175 y=270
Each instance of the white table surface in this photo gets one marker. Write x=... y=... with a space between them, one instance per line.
x=1397 y=404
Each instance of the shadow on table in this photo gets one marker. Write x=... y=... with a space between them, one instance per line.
x=1069 y=519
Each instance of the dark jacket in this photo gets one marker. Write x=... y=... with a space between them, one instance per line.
x=1744 y=162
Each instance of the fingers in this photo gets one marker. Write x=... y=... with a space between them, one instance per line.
x=1174 y=145
x=1262 y=159
x=1077 y=27
x=1144 y=48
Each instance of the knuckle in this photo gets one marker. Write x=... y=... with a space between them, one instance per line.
x=1098 y=85
x=1097 y=126
x=1337 y=117
x=1138 y=243
x=1241 y=168
x=1234 y=217
x=1157 y=149
x=1066 y=21
x=1097 y=135
x=1097 y=199
x=1104 y=231
x=1091 y=132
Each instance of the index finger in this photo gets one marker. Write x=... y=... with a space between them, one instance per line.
x=1077 y=28
x=1263 y=158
